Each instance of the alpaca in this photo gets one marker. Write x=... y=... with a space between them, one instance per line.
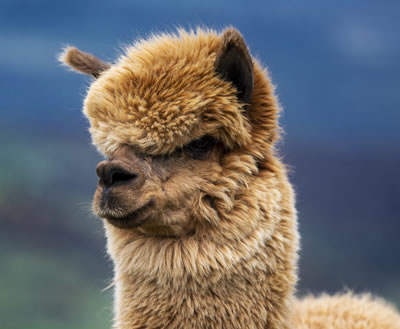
x=198 y=211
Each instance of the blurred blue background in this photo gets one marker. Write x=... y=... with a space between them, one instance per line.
x=337 y=68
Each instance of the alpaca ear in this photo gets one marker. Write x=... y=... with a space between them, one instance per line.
x=234 y=64
x=83 y=62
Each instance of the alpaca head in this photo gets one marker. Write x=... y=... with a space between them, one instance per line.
x=187 y=124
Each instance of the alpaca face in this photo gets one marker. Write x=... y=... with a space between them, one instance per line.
x=157 y=194
x=160 y=170
x=185 y=122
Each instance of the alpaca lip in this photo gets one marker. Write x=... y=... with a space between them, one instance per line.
x=133 y=219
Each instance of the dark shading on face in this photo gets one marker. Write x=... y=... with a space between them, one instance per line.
x=155 y=193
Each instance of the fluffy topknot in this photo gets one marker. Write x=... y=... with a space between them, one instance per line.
x=169 y=89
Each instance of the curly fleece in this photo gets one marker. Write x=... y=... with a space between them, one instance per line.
x=165 y=92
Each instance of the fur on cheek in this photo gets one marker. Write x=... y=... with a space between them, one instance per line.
x=235 y=235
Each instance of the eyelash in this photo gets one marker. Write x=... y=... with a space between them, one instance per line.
x=198 y=148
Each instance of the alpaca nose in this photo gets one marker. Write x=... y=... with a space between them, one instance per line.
x=113 y=174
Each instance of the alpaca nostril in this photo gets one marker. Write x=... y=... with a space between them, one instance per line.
x=111 y=174
x=119 y=175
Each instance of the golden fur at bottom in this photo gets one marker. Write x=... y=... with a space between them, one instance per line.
x=345 y=311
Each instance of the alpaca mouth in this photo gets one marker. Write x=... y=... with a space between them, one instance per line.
x=132 y=219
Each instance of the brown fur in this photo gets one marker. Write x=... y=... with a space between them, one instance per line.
x=208 y=242
x=83 y=62
x=345 y=311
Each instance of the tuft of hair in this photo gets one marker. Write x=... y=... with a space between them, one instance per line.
x=82 y=62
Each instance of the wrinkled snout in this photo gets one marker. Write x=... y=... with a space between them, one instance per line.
x=120 y=196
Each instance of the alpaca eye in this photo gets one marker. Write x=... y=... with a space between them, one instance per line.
x=200 y=147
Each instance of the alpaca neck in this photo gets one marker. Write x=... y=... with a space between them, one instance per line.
x=245 y=279
x=248 y=296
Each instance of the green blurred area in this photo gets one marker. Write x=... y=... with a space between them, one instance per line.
x=54 y=269
x=44 y=288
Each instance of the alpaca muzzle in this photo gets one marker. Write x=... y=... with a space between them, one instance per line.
x=118 y=197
